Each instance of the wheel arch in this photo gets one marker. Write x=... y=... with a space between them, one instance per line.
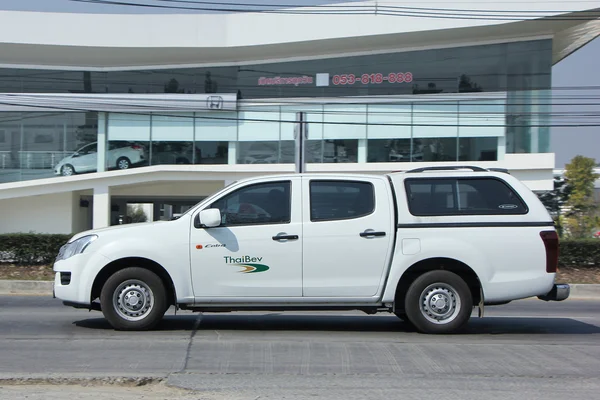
x=432 y=264
x=140 y=262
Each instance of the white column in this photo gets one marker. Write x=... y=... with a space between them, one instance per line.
x=501 y=147
x=101 y=207
x=362 y=151
x=232 y=152
x=102 y=133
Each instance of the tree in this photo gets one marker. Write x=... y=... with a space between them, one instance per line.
x=555 y=200
x=173 y=87
x=582 y=210
x=136 y=213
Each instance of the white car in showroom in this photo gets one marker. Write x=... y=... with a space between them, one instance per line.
x=119 y=155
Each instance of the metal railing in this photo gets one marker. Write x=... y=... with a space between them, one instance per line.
x=31 y=159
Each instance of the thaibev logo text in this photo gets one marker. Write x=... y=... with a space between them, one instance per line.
x=248 y=263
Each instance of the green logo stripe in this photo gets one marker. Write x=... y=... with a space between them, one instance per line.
x=251 y=268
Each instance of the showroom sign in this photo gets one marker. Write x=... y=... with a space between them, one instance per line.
x=280 y=81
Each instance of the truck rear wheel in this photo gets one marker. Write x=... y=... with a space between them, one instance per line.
x=438 y=302
x=133 y=299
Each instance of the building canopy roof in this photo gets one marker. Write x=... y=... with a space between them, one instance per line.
x=136 y=41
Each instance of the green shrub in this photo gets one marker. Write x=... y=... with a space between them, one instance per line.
x=580 y=253
x=30 y=248
x=38 y=249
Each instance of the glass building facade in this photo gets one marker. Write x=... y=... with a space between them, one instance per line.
x=473 y=103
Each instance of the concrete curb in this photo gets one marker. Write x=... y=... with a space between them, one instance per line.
x=16 y=287
x=585 y=291
x=44 y=288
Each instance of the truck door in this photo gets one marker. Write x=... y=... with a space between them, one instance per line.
x=348 y=233
x=257 y=250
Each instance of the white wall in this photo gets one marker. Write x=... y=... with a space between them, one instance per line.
x=51 y=213
x=174 y=189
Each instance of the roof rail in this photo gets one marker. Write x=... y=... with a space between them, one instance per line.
x=447 y=168
x=503 y=170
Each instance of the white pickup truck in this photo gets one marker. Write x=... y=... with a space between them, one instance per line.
x=429 y=245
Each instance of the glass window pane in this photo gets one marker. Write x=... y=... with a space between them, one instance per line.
x=172 y=139
x=128 y=141
x=337 y=200
x=314 y=118
x=259 y=125
x=390 y=150
x=212 y=153
x=435 y=120
x=175 y=127
x=265 y=203
x=258 y=152
x=129 y=127
x=482 y=118
x=339 y=116
x=468 y=196
x=435 y=149
x=220 y=126
x=331 y=151
x=399 y=114
x=478 y=149
x=10 y=147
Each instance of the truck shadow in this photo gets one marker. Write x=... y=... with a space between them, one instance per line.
x=354 y=323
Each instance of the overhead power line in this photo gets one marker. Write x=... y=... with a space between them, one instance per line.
x=293 y=121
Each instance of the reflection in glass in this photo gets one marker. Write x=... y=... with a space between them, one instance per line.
x=211 y=152
x=35 y=143
x=173 y=153
x=478 y=149
x=332 y=151
x=390 y=150
x=266 y=152
x=435 y=149
x=258 y=152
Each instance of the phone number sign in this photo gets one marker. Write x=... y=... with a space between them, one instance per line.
x=366 y=79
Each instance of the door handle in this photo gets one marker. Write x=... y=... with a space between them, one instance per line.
x=285 y=237
x=371 y=233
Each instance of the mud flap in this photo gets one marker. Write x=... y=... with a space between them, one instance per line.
x=481 y=301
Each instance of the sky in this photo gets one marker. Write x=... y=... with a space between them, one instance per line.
x=577 y=70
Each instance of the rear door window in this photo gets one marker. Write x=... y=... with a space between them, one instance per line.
x=338 y=200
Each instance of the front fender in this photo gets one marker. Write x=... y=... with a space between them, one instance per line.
x=172 y=256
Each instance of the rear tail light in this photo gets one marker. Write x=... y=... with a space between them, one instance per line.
x=136 y=147
x=550 y=239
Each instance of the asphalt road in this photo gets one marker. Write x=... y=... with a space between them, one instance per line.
x=524 y=350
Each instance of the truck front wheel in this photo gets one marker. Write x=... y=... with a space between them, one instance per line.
x=438 y=302
x=133 y=299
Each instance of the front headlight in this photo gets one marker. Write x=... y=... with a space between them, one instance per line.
x=75 y=247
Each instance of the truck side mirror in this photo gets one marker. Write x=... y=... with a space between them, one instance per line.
x=210 y=218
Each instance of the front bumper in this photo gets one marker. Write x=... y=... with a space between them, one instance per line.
x=559 y=292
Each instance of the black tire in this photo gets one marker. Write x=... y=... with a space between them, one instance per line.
x=64 y=170
x=401 y=315
x=133 y=282
x=404 y=318
x=123 y=163
x=440 y=296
